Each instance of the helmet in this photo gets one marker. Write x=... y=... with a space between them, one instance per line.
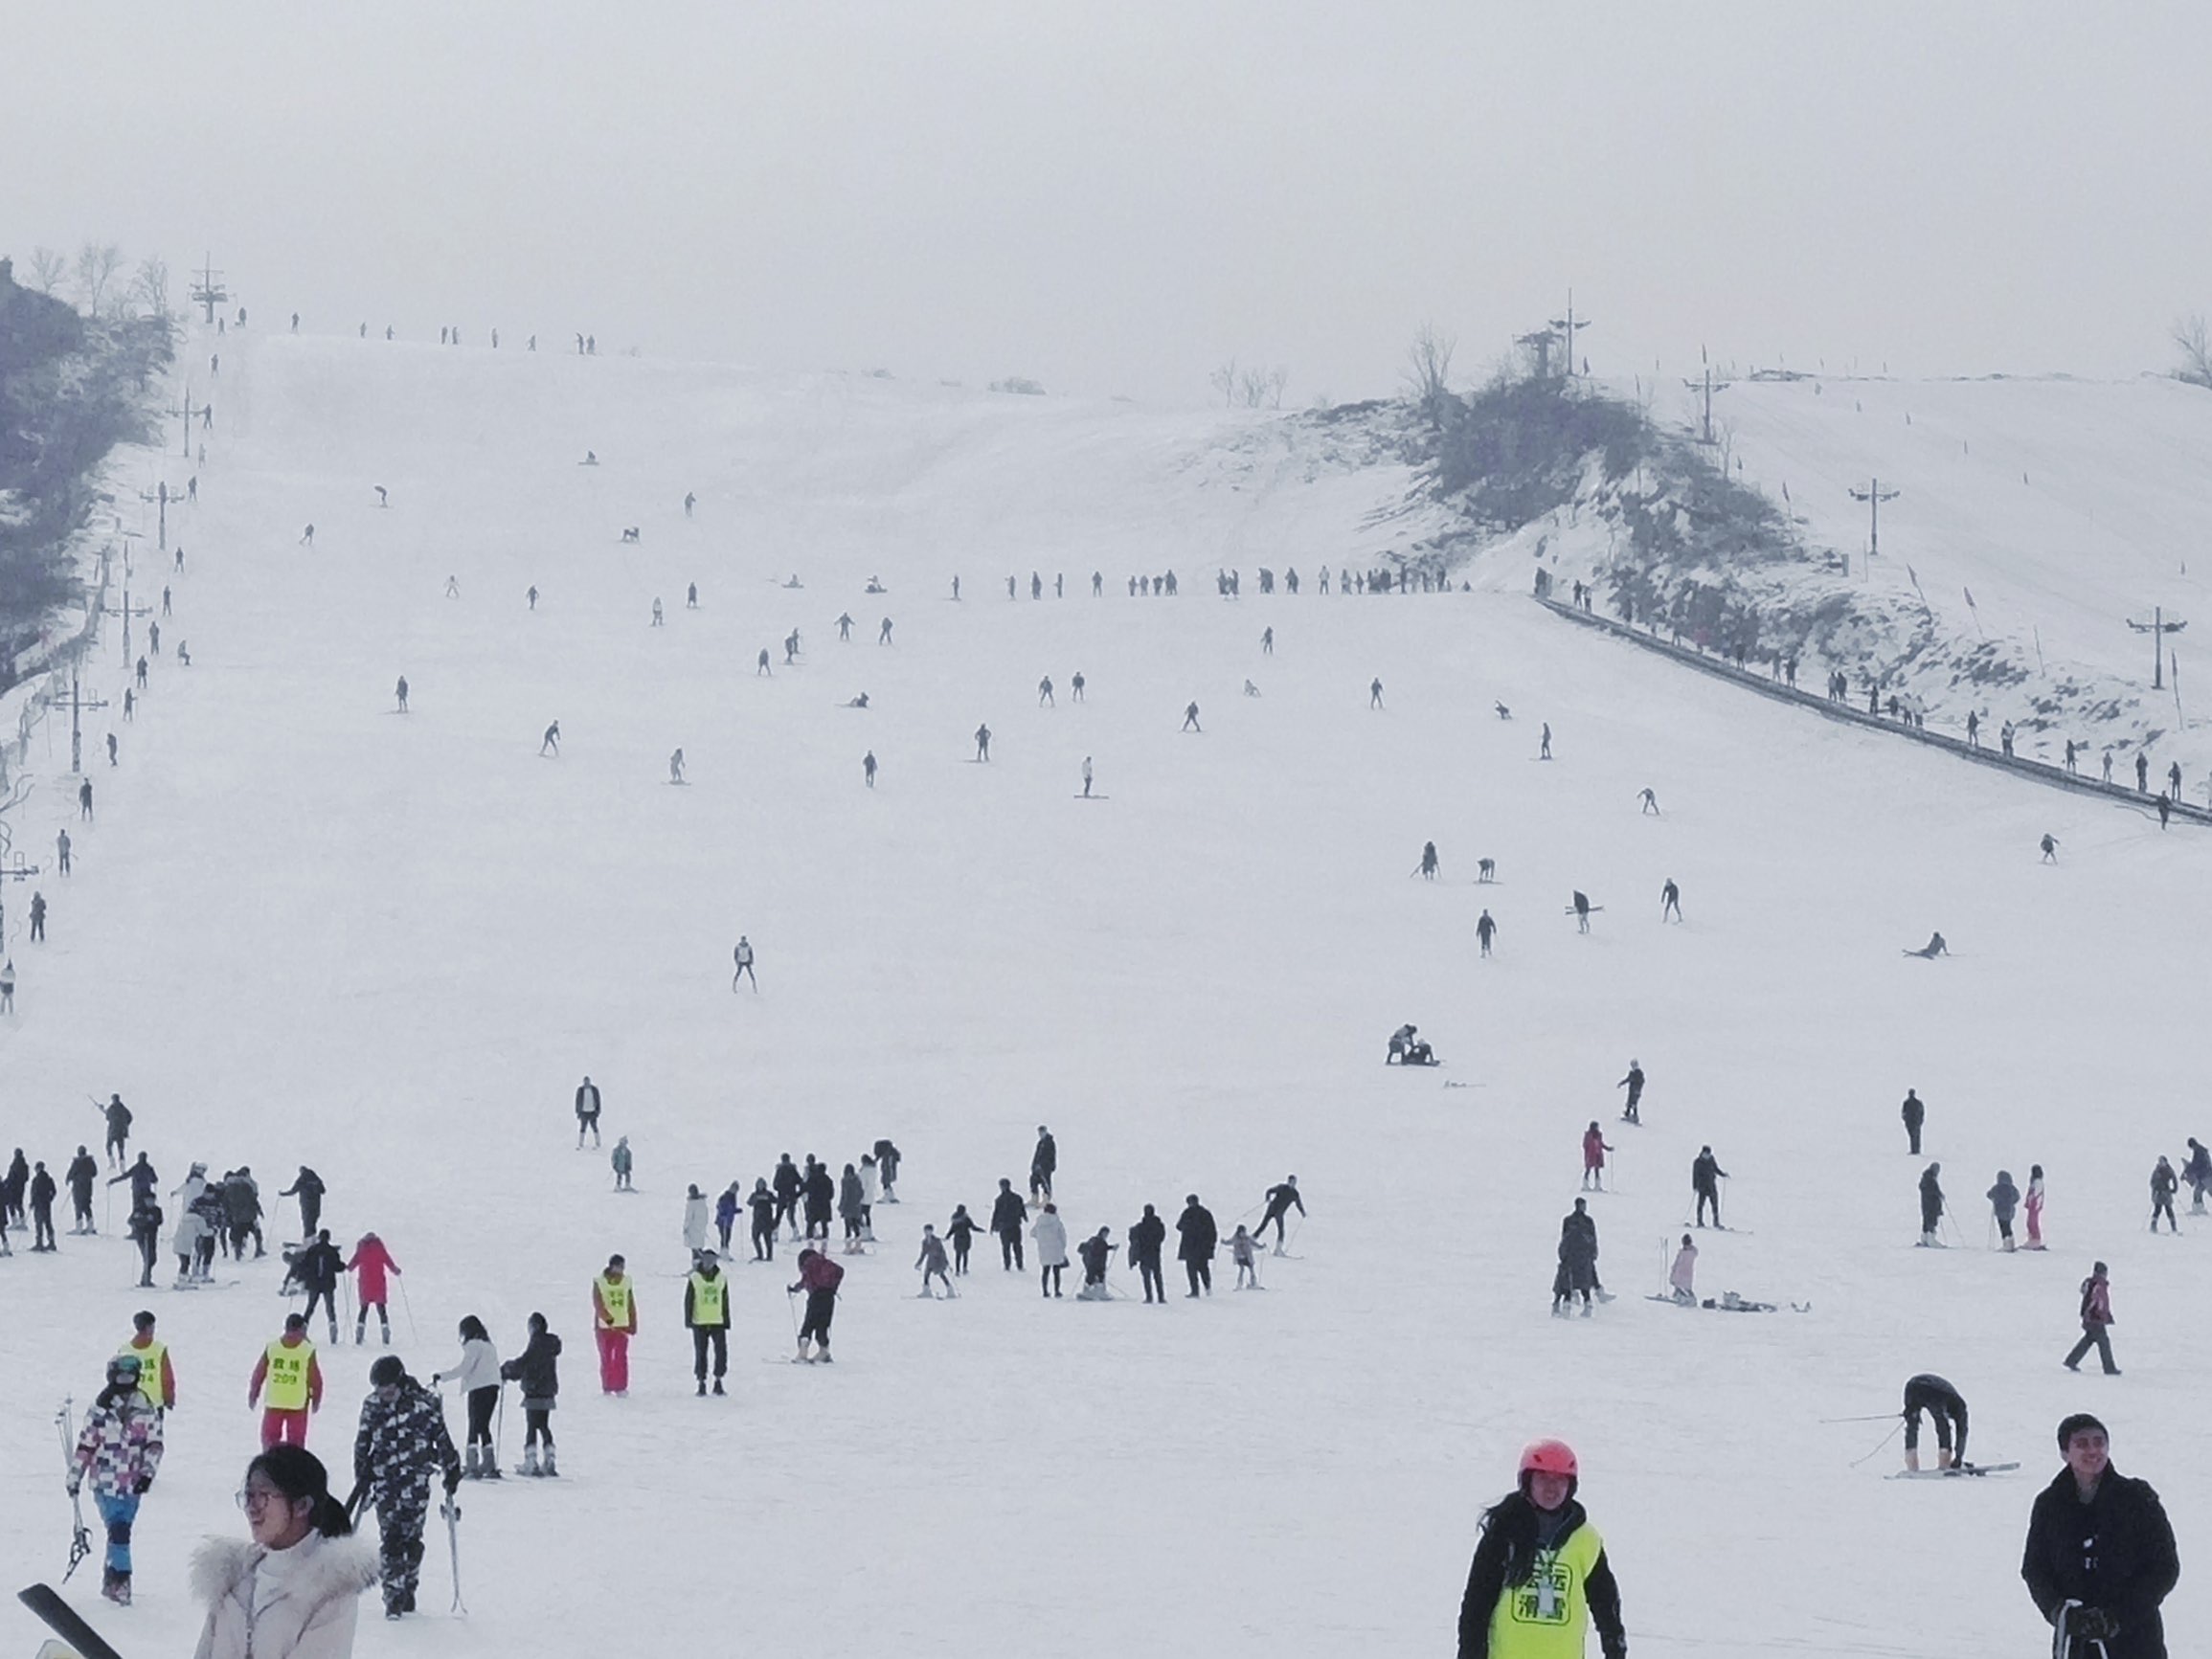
x=122 y=1371
x=1548 y=1457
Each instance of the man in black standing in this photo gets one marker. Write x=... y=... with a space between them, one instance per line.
x=1008 y=1216
x=1147 y=1237
x=2100 y=1554
x=1042 y=1164
x=1914 y=1113
x=1199 y=1239
x=587 y=1111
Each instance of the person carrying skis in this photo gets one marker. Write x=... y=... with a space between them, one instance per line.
x=1280 y=1200
x=537 y=1368
x=2164 y=1184
x=119 y=1451
x=156 y=1376
x=818 y=1277
x=1682 y=1276
x=763 y=1206
x=1199 y=1239
x=1931 y=1204
x=478 y=1373
x=315 y=1269
x=1914 y=1112
x=1539 y=1576
x=371 y=1260
x=2100 y=1554
x=2004 y=1199
x=1593 y=1151
x=1946 y=1406
x=1050 y=1234
x=1043 y=1161
x=400 y=1446
x=1009 y=1216
x=1096 y=1252
x=931 y=1262
x=307 y=1186
x=293 y=1380
x=1148 y=1236
x=707 y=1315
x=1633 y=1111
x=2096 y=1314
x=1706 y=1178
x=2197 y=1172
x=614 y=1322
x=587 y=1111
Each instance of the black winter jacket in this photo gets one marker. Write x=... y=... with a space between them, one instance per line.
x=537 y=1368
x=2116 y=1553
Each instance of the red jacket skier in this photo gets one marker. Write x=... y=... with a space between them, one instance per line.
x=1593 y=1151
x=372 y=1261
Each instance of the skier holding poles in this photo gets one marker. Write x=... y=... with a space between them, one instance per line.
x=119 y=1451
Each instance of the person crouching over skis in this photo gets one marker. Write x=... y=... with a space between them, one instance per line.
x=1929 y=1393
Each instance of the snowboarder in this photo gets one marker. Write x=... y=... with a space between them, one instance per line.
x=741 y=953
x=818 y=1277
x=401 y=1445
x=2096 y=1315
x=1914 y=1112
x=537 y=1368
x=1544 y=743
x=1931 y=1204
x=293 y=1380
x=1199 y=1239
x=1147 y=1237
x=1706 y=1178
x=1539 y=1574
x=2100 y=1554
x=1050 y=1234
x=2164 y=1184
x=1279 y=1201
x=1008 y=1219
x=1486 y=930
x=1593 y=1151
x=587 y=1111
x=1947 y=1407
x=1085 y=777
x=1044 y=1159
x=119 y=1451
x=370 y=1263
x=1681 y=1277
x=478 y=1373
x=707 y=1315
x=2004 y=1199
x=1670 y=901
x=614 y=1322
x=1633 y=1111
x=621 y=1162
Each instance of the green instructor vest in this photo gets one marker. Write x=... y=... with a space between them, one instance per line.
x=709 y=1300
x=1547 y=1617
x=286 y=1386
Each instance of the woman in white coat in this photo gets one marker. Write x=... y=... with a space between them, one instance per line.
x=477 y=1371
x=293 y=1591
x=1050 y=1235
x=697 y=1214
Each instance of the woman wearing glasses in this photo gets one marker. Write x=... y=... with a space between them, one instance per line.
x=293 y=1591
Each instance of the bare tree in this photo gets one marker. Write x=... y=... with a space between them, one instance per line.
x=1428 y=369
x=150 y=286
x=47 y=269
x=1224 y=381
x=2194 y=342
x=1251 y=388
x=97 y=264
x=1278 y=378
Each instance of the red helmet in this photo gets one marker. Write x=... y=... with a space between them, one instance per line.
x=1548 y=1457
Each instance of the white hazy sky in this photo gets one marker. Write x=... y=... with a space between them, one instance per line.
x=1111 y=197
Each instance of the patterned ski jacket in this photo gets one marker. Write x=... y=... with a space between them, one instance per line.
x=401 y=1445
x=118 y=1449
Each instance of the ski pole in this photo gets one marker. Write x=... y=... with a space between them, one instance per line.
x=1875 y=1417
x=1885 y=1441
x=413 y=1335
x=499 y=1427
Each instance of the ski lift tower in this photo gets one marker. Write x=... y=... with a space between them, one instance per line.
x=2157 y=627
x=208 y=288
x=1873 y=495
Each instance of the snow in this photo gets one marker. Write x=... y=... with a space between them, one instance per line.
x=307 y=929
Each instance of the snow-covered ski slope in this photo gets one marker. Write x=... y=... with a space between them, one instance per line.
x=306 y=927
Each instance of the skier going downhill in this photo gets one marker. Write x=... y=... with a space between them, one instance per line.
x=1706 y=1178
x=1631 y=1113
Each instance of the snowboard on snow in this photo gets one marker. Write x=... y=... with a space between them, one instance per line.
x=78 y=1640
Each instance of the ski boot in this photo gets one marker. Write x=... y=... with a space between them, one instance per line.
x=115 y=1586
x=529 y=1460
x=470 y=1467
x=489 y=1468
x=547 y=1467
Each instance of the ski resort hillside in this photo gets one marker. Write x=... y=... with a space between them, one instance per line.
x=1175 y=917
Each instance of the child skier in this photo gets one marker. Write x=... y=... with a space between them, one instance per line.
x=931 y=1262
x=1243 y=1250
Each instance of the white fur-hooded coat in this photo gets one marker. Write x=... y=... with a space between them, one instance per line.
x=313 y=1619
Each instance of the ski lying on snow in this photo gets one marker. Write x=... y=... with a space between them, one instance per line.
x=1964 y=1468
x=64 y=1621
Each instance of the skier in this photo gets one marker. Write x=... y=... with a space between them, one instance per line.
x=870 y=1182
x=2004 y=1199
x=537 y=1368
x=845 y=627
x=1931 y=1204
x=676 y=767
x=1267 y=642
x=1670 y=901
x=1593 y=1151
x=788 y=1184
x=761 y=1207
x=1050 y=1235
x=156 y=1376
x=111 y=749
x=1914 y=1112
x=2050 y=848
x=887 y=1160
x=849 y=1205
x=2100 y=1554
x=868 y=767
x=1486 y=930
x=587 y=1111
x=614 y=1322
x=1244 y=1251
x=1147 y=1235
x=1544 y=749
x=242 y=1212
x=696 y=1213
x=1045 y=693
x=478 y=1373
x=531 y=595
x=621 y=1162
x=145 y=1230
x=1043 y=1161
x=931 y=1262
x=1681 y=1277
x=1008 y=1213
x=742 y=955
x=2164 y=1184
x=401 y=1445
x=1085 y=777
x=2096 y=1314
x=1947 y=1407
x=1539 y=1574
x=1096 y=1252
x=691 y=596
x=1631 y=1113
x=706 y=1314
x=300 y=1540
x=551 y=742
x=2034 y=1207
x=726 y=1207
x=294 y=1379
x=315 y=1269
x=2197 y=1172
x=818 y=1277
x=1191 y=720
x=982 y=742
x=1706 y=1178
x=83 y=1172
x=1279 y=1199
x=1581 y=908
x=372 y=1262
x=119 y=1449
x=1577 y=1273
x=1428 y=866
x=1649 y=801
x=1199 y=1239
x=307 y=1187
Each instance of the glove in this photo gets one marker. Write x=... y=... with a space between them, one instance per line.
x=145 y=1484
x=452 y=1481
x=75 y=1487
x=2092 y=1623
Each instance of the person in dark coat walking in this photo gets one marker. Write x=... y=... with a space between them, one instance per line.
x=2096 y=1321
x=820 y=1190
x=307 y=1187
x=961 y=1231
x=1200 y=1238
x=1931 y=1204
x=764 y=1207
x=2100 y=1554
x=315 y=1269
x=1914 y=1113
x=537 y=1368
x=1577 y=1274
x=788 y=1184
x=2004 y=1199
x=1146 y=1239
x=1042 y=1164
x=43 y=1189
x=82 y=1174
x=1010 y=1218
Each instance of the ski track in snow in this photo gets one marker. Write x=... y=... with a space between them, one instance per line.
x=307 y=929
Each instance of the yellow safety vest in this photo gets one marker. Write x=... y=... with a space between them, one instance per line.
x=1547 y=1616
x=708 y=1298
x=615 y=1298
x=150 y=1379
x=285 y=1387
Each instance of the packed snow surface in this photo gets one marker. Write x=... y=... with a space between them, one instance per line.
x=307 y=929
